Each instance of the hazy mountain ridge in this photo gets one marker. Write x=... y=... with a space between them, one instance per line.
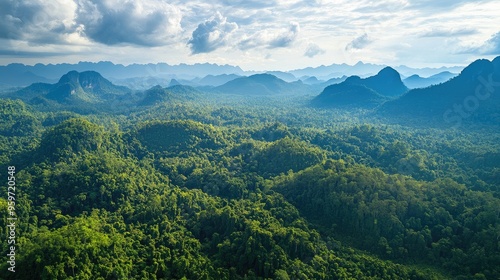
x=17 y=74
x=415 y=81
x=88 y=86
x=441 y=103
x=469 y=97
x=345 y=95
x=119 y=71
x=387 y=82
x=367 y=93
x=262 y=84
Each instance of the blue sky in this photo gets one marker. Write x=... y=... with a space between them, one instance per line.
x=253 y=34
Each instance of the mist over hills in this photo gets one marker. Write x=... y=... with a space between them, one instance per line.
x=415 y=81
x=472 y=96
x=387 y=82
x=114 y=71
x=450 y=102
x=262 y=84
x=346 y=95
x=366 y=69
x=248 y=180
x=142 y=76
x=367 y=93
x=88 y=86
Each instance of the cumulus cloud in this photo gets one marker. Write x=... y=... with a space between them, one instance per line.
x=313 y=50
x=211 y=34
x=359 y=42
x=287 y=37
x=491 y=46
x=271 y=39
x=110 y=22
x=144 y=23
x=37 y=21
x=488 y=47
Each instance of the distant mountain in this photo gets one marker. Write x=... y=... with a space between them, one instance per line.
x=366 y=93
x=142 y=83
x=336 y=70
x=365 y=69
x=52 y=72
x=415 y=81
x=157 y=94
x=346 y=95
x=427 y=71
x=87 y=86
x=387 y=82
x=471 y=97
x=311 y=80
x=262 y=84
x=218 y=80
x=13 y=77
x=285 y=76
x=174 y=82
x=16 y=74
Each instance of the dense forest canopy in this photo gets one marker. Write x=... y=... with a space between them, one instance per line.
x=190 y=183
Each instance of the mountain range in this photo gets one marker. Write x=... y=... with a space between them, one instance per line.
x=472 y=96
x=88 y=86
x=415 y=81
x=363 y=93
x=142 y=76
x=262 y=84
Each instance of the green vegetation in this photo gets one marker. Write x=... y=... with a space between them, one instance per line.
x=220 y=186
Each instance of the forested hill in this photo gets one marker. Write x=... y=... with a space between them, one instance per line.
x=73 y=87
x=471 y=97
x=415 y=81
x=263 y=84
x=367 y=93
x=346 y=95
x=180 y=183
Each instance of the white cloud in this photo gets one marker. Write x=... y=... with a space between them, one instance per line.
x=271 y=39
x=286 y=37
x=359 y=42
x=489 y=47
x=38 y=21
x=391 y=31
x=313 y=50
x=146 y=23
x=448 y=32
x=492 y=46
x=211 y=34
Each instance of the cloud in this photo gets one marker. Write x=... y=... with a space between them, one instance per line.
x=143 y=23
x=359 y=42
x=38 y=21
x=491 y=46
x=249 y=3
x=435 y=6
x=448 y=32
x=211 y=34
x=271 y=39
x=20 y=53
x=110 y=22
x=287 y=37
x=313 y=50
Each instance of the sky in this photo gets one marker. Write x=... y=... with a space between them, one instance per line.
x=253 y=34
